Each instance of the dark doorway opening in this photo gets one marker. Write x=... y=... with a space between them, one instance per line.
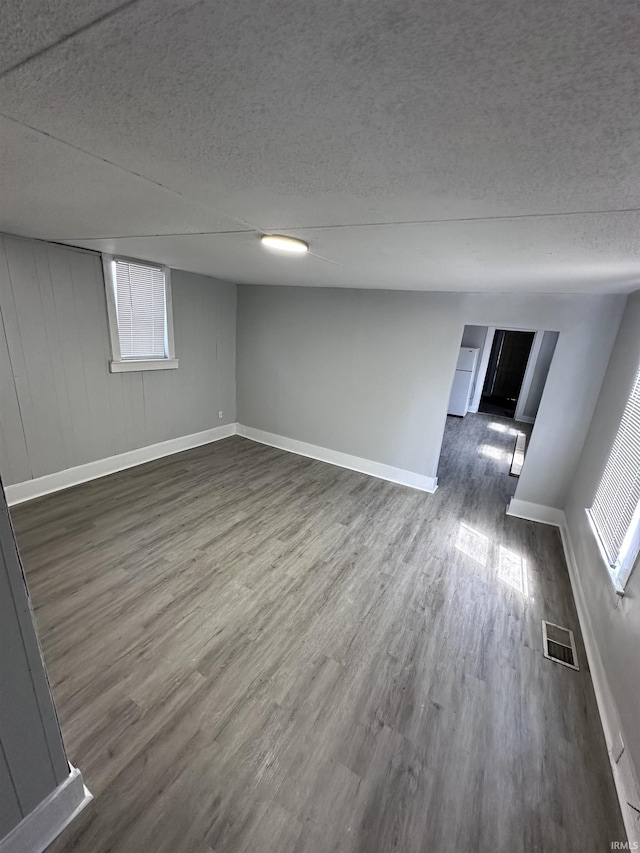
x=505 y=372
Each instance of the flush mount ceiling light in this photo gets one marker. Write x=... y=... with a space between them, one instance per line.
x=284 y=244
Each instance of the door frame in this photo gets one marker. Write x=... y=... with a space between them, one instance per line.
x=481 y=375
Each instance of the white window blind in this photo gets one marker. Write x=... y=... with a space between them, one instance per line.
x=141 y=310
x=616 y=506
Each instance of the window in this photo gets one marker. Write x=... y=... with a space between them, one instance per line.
x=140 y=316
x=615 y=514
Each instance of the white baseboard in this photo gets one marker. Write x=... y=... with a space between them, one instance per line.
x=525 y=419
x=623 y=771
x=30 y=489
x=342 y=460
x=38 y=829
x=536 y=512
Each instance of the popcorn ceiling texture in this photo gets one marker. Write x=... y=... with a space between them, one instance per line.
x=339 y=122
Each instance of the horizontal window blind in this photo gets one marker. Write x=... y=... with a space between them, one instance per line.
x=141 y=310
x=618 y=495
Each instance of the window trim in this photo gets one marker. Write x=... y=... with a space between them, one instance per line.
x=628 y=556
x=618 y=585
x=127 y=365
x=630 y=551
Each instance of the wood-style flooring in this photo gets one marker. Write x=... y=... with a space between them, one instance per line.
x=254 y=651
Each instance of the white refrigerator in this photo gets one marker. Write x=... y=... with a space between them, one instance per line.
x=463 y=382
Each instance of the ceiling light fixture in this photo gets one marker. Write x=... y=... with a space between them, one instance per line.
x=284 y=244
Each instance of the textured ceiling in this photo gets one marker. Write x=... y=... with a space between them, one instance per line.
x=440 y=146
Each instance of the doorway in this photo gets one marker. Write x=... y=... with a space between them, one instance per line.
x=506 y=369
x=512 y=365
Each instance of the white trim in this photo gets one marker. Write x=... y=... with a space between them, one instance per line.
x=617 y=585
x=481 y=374
x=150 y=364
x=525 y=419
x=624 y=777
x=117 y=363
x=527 y=379
x=536 y=512
x=168 y=308
x=20 y=492
x=112 y=313
x=41 y=826
x=342 y=460
x=620 y=572
x=528 y=375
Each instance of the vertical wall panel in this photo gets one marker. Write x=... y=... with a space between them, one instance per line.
x=93 y=354
x=68 y=329
x=37 y=355
x=14 y=460
x=59 y=404
x=20 y=714
x=10 y=813
x=19 y=369
x=54 y=346
x=29 y=733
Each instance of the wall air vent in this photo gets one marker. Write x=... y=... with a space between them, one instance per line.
x=559 y=645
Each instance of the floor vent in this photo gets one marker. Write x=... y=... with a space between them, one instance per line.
x=518 y=455
x=559 y=645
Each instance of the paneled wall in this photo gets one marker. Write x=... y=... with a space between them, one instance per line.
x=32 y=758
x=59 y=404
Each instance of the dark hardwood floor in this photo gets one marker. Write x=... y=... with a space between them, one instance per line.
x=254 y=651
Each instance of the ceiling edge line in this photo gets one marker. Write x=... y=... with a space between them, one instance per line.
x=154 y=236
x=496 y=218
x=250 y=226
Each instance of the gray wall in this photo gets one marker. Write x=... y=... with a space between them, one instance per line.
x=59 y=405
x=32 y=757
x=369 y=372
x=615 y=623
x=540 y=373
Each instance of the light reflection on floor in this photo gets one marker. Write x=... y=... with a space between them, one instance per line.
x=496 y=427
x=511 y=567
x=472 y=543
x=493 y=452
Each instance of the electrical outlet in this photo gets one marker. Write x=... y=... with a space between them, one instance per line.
x=219 y=416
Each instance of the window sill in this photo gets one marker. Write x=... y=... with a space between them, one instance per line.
x=151 y=364
x=617 y=586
